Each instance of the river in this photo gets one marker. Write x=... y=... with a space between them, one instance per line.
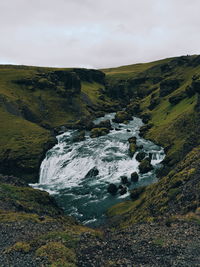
x=63 y=171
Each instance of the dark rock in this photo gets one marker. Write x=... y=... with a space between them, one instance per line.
x=128 y=184
x=140 y=156
x=133 y=109
x=168 y=86
x=177 y=98
x=145 y=166
x=124 y=179
x=112 y=189
x=128 y=130
x=140 y=147
x=144 y=129
x=154 y=102
x=150 y=157
x=120 y=186
x=79 y=137
x=90 y=75
x=96 y=132
x=104 y=124
x=93 y=172
x=132 y=149
x=134 y=177
x=122 y=116
x=102 y=97
x=123 y=191
x=132 y=140
x=84 y=124
x=42 y=218
x=146 y=117
x=135 y=193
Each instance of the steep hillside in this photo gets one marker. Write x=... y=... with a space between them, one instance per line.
x=36 y=101
x=167 y=93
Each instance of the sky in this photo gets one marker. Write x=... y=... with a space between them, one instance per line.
x=97 y=33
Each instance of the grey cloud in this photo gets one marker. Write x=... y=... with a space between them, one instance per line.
x=97 y=33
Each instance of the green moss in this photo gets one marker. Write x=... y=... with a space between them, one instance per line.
x=19 y=247
x=56 y=253
x=67 y=238
x=27 y=199
x=158 y=242
x=8 y=216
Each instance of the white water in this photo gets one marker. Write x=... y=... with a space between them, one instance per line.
x=66 y=164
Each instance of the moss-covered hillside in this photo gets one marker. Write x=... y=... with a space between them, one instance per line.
x=167 y=94
x=33 y=103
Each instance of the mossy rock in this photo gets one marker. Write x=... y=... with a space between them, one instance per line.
x=145 y=166
x=140 y=156
x=132 y=140
x=96 y=132
x=134 y=177
x=122 y=116
x=104 y=124
x=132 y=149
x=80 y=136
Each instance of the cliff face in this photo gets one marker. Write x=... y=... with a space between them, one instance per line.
x=35 y=101
x=167 y=93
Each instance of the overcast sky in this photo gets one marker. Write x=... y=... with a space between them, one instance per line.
x=97 y=33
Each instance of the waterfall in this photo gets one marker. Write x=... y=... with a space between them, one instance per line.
x=63 y=171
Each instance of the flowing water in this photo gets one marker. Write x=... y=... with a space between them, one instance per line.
x=64 y=169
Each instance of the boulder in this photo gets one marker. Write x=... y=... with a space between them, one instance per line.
x=92 y=173
x=145 y=166
x=144 y=129
x=140 y=156
x=123 y=191
x=112 y=189
x=132 y=149
x=96 y=132
x=122 y=116
x=132 y=140
x=146 y=117
x=134 y=177
x=124 y=179
x=140 y=147
x=84 y=123
x=104 y=124
x=79 y=137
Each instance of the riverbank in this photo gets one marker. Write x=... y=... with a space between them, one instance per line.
x=165 y=94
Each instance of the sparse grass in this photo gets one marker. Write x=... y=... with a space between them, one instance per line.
x=19 y=247
x=57 y=254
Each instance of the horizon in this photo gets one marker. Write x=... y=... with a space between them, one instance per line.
x=82 y=67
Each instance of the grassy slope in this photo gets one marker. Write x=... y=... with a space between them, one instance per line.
x=22 y=142
x=130 y=71
x=173 y=127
